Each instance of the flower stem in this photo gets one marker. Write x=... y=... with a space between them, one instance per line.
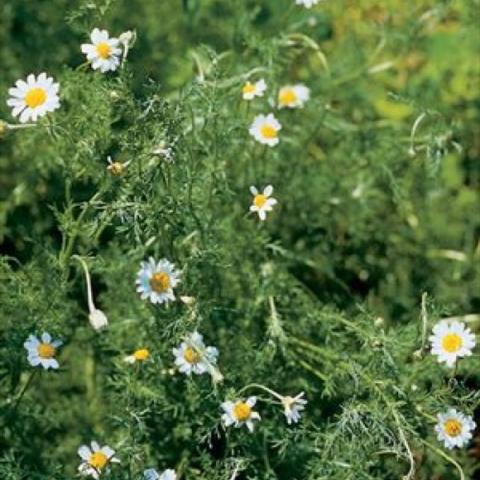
x=262 y=387
x=24 y=389
x=446 y=457
x=91 y=306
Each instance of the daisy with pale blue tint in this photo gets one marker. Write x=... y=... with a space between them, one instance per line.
x=152 y=474
x=95 y=459
x=34 y=98
x=156 y=281
x=292 y=406
x=193 y=356
x=104 y=52
x=42 y=351
x=240 y=413
x=454 y=428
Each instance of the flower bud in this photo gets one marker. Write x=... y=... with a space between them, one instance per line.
x=126 y=37
x=98 y=320
x=187 y=300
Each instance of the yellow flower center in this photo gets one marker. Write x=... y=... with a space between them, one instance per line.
x=287 y=96
x=191 y=355
x=45 y=350
x=116 y=168
x=103 y=50
x=453 y=427
x=260 y=200
x=141 y=355
x=35 y=97
x=248 y=88
x=268 y=131
x=98 y=460
x=452 y=342
x=160 y=282
x=242 y=411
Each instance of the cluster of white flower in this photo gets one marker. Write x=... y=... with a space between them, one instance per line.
x=38 y=95
x=452 y=340
x=265 y=128
x=240 y=412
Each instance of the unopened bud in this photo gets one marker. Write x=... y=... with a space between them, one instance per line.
x=127 y=37
x=379 y=322
x=188 y=300
x=98 y=320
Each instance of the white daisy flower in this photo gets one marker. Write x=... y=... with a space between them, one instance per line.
x=240 y=413
x=156 y=281
x=42 y=352
x=251 y=90
x=104 y=52
x=307 y=3
x=34 y=98
x=454 y=428
x=152 y=474
x=293 y=406
x=95 y=459
x=265 y=129
x=193 y=356
x=140 y=355
x=262 y=202
x=293 y=96
x=451 y=340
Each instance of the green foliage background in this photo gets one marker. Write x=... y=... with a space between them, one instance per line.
x=323 y=297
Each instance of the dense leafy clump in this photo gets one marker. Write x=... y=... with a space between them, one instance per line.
x=375 y=237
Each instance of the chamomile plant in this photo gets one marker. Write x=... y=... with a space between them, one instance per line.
x=240 y=240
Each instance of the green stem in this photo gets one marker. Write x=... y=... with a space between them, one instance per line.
x=261 y=387
x=446 y=457
x=24 y=389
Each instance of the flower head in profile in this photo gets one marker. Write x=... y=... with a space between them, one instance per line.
x=42 y=351
x=193 y=356
x=104 y=52
x=140 y=355
x=307 y=3
x=292 y=406
x=454 y=428
x=240 y=413
x=251 y=90
x=451 y=340
x=95 y=459
x=265 y=129
x=156 y=280
x=163 y=149
x=152 y=474
x=293 y=96
x=262 y=202
x=34 y=98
